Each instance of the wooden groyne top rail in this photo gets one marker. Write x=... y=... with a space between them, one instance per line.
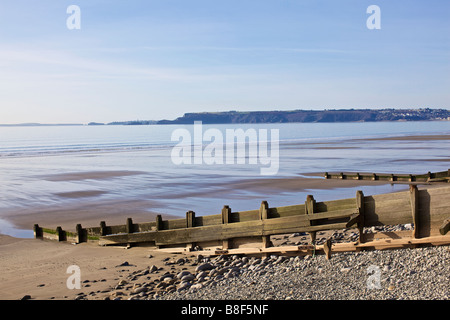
x=428 y=210
x=443 y=176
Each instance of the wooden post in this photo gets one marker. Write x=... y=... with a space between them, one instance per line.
x=374 y=177
x=159 y=223
x=80 y=233
x=103 y=228
x=327 y=248
x=263 y=210
x=360 y=208
x=226 y=214
x=392 y=177
x=60 y=233
x=326 y=175
x=341 y=175
x=226 y=218
x=129 y=225
x=190 y=219
x=263 y=215
x=37 y=231
x=190 y=223
x=414 y=194
x=358 y=177
x=309 y=207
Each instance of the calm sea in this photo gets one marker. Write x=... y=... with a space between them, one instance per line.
x=29 y=155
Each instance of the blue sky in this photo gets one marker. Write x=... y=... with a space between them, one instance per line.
x=159 y=59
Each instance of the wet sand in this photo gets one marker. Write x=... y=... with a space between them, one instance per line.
x=89 y=175
x=409 y=138
x=89 y=211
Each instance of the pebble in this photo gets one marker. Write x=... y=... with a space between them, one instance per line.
x=203 y=267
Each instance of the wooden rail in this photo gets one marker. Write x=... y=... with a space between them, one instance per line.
x=428 y=210
x=443 y=176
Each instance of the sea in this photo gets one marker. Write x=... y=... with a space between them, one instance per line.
x=31 y=155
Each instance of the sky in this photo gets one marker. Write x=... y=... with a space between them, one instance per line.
x=158 y=59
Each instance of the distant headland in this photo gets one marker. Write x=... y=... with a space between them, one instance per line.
x=341 y=115
x=324 y=116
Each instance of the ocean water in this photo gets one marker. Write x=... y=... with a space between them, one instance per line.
x=31 y=158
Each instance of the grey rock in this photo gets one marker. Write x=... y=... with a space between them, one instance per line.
x=204 y=267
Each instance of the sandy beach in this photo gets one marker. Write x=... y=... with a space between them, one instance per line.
x=39 y=268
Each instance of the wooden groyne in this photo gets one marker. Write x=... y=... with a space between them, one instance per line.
x=234 y=232
x=443 y=176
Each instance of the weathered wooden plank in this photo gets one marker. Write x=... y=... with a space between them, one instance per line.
x=414 y=199
x=174 y=224
x=223 y=232
x=445 y=227
x=208 y=220
x=117 y=229
x=286 y=211
x=263 y=214
x=336 y=247
x=310 y=209
x=143 y=227
x=334 y=205
x=361 y=209
x=387 y=209
x=242 y=216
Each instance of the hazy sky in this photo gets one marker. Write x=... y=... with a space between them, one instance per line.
x=159 y=59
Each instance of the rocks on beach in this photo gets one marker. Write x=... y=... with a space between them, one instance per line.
x=420 y=273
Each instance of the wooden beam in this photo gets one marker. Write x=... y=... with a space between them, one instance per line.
x=361 y=211
x=337 y=247
x=414 y=194
x=354 y=219
x=264 y=215
x=253 y=228
x=445 y=227
x=309 y=207
x=226 y=218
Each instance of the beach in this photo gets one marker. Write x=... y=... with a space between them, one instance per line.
x=37 y=269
